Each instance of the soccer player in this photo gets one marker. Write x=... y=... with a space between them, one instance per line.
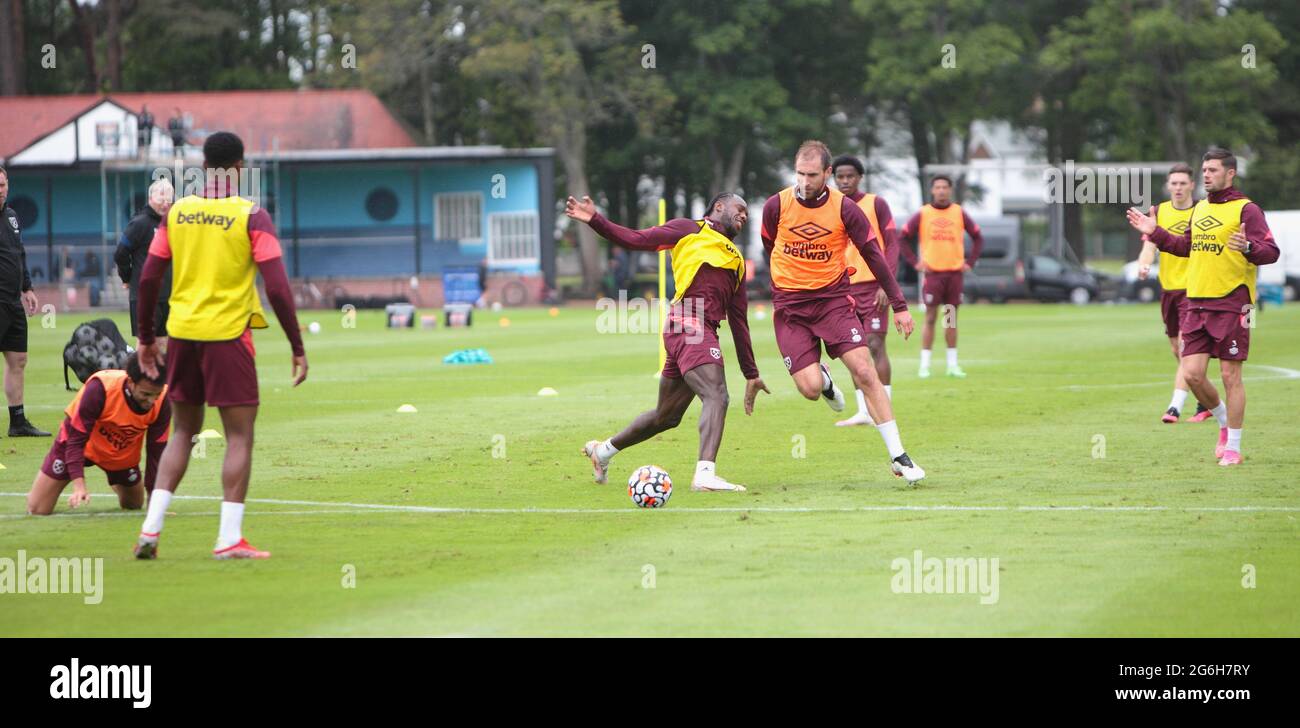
x=114 y=416
x=1172 y=215
x=937 y=230
x=1226 y=238
x=869 y=297
x=709 y=271
x=217 y=243
x=806 y=229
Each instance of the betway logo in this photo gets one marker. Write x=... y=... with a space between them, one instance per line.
x=100 y=682
x=204 y=218
x=1207 y=246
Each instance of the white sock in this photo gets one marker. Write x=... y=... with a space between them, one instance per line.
x=952 y=357
x=862 y=402
x=1234 y=440
x=232 y=522
x=925 y=358
x=1221 y=414
x=826 y=380
x=889 y=391
x=153 y=520
x=1180 y=399
x=705 y=469
x=606 y=451
x=889 y=432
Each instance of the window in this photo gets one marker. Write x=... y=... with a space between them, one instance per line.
x=26 y=209
x=514 y=238
x=381 y=204
x=1044 y=265
x=458 y=216
x=995 y=247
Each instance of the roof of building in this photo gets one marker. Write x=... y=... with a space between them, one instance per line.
x=288 y=119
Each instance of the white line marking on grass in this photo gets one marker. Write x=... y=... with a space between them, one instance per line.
x=356 y=508
x=139 y=514
x=1279 y=373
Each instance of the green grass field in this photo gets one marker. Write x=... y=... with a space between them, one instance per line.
x=1050 y=457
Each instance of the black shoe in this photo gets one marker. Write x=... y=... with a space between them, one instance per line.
x=1170 y=416
x=26 y=429
x=1201 y=408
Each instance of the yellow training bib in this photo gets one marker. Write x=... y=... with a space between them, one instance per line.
x=214 y=295
x=1214 y=271
x=706 y=246
x=1173 y=269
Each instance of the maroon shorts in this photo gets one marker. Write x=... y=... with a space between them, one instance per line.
x=876 y=319
x=802 y=326
x=1171 y=310
x=55 y=466
x=216 y=373
x=1221 y=334
x=689 y=343
x=942 y=288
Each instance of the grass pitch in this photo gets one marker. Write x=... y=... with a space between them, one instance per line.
x=477 y=516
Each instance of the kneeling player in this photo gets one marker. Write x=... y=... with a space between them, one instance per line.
x=108 y=421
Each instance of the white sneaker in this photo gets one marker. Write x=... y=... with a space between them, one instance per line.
x=834 y=397
x=861 y=418
x=599 y=468
x=904 y=468
x=923 y=372
x=713 y=482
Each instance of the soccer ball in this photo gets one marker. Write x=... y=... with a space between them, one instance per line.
x=649 y=486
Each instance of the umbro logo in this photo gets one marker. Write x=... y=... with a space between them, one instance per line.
x=810 y=231
x=1179 y=227
x=943 y=222
x=1208 y=223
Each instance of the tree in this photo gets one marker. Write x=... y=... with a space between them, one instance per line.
x=943 y=65
x=570 y=66
x=1148 y=87
x=13 y=40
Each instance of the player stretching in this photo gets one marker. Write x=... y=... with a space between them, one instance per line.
x=114 y=416
x=709 y=272
x=1172 y=215
x=1226 y=238
x=937 y=229
x=216 y=243
x=871 y=301
x=805 y=230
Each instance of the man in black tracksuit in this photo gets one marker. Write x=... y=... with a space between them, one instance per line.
x=17 y=302
x=133 y=248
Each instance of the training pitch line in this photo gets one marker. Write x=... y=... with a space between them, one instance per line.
x=356 y=508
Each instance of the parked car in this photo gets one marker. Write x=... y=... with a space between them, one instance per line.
x=1132 y=288
x=1053 y=279
x=999 y=274
x=1005 y=272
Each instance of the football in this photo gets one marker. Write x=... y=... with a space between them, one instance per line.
x=649 y=486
